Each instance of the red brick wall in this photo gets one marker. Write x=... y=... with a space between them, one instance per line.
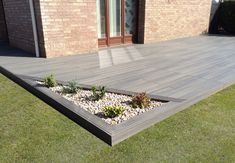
x=19 y=24
x=171 y=19
x=3 y=32
x=66 y=27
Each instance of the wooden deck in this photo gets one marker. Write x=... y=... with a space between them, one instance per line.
x=184 y=68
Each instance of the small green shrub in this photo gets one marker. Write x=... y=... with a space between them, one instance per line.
x=72 y=87
x=98 y=94
x=50 y=81
x=141 y=100
x=113 y=111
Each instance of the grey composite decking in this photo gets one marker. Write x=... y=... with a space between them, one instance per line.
x=183 y=68
x=190 y=68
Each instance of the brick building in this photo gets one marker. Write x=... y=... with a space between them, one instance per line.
x=68 y=27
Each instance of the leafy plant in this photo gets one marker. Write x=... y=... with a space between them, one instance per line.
x=113 y=111
x=50 y=81
x=141 y=100
x=98 y=93
x=72 y=87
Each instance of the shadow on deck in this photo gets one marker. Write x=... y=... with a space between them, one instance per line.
x=8 y=51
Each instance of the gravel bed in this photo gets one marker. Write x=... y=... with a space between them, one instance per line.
x=83 y=98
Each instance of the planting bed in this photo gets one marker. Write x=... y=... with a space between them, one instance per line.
x=84 y=99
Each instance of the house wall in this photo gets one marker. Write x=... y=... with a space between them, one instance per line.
x=66 y=27
x=19 y=25
x=171 y=19
x=69 y=27
x=3 y=32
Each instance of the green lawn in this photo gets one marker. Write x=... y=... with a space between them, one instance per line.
x=32 y=131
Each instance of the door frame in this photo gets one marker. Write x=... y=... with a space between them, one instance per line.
x=123 y=39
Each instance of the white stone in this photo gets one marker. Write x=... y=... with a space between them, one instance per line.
x=84 y=99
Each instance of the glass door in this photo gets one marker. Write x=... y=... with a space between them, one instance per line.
x=115 y=23
x=101 y=18
x=130 y=20
x=116 y=20
x=101 y=21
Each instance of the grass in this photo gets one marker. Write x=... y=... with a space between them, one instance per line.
x=32 y=131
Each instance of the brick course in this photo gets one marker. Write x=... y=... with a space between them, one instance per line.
x=3 y=32
x=19 y=24
x=171 y=19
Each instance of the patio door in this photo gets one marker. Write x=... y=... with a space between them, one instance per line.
x=116 y=21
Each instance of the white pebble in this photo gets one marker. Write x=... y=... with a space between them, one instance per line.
x=84 y=99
